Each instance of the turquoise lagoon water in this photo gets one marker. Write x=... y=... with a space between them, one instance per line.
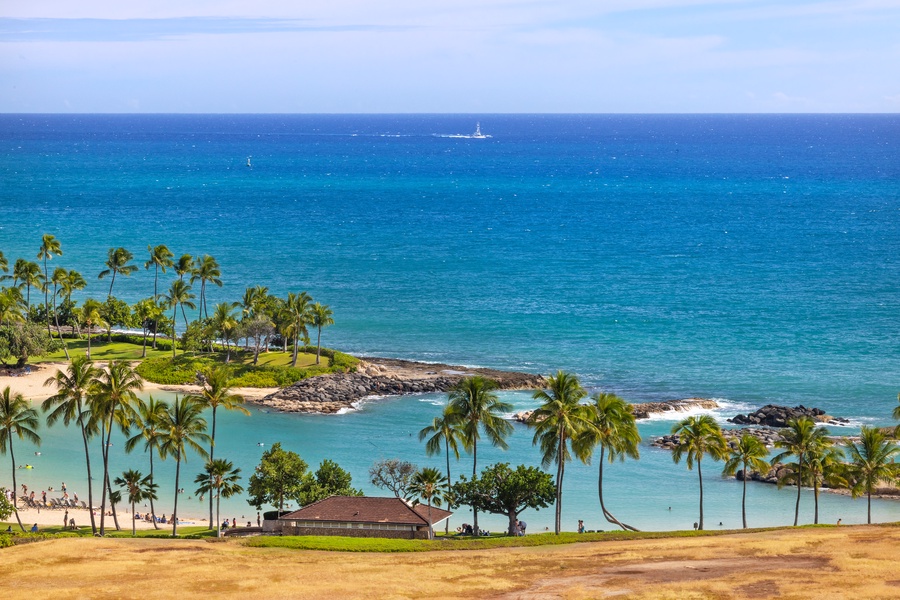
x=748 y=258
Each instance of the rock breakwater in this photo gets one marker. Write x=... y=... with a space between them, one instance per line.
x=772 y=415
x=643 y=410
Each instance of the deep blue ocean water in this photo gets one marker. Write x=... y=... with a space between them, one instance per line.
x=752 y=259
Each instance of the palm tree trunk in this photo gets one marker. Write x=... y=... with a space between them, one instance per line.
x=104 y=453
x=294 y=359
x=112 y=507
x=184 y=315
x=133 y=522
x=318 y=344
x=744 y=498
x=152 y=508
x=144 y=349
x=174 y=316
x=155 y=282
x=560 y=471
x=218 y=513
x=816 y=499
x=608 y=515
x=474 y=466
x=14 y=490
x=46 y=298
x=700 y=475
x=868 y=503
x=87 y=460
x=430 y=526
x=449 y=483
x=212 y=449
x=58 y=332
x=175 y=508
x=799 y=478
x=89 y=343
x=112 y=282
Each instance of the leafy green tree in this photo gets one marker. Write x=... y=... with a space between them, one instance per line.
x=872 y=460
x=278 y=477
x=559 y=420
x=393 y=474
x=220 y=479
x=443 y=431
x=138 y=488
x=800 y=436
x=25 y=340
x=149 y=417
x=69 y=404
x=50 y=247
x=160 y=259
x=184 y=428
x=699 y=436
x=207 y=271
x=328 y=480
x=91 y=316
x=115 y=313
x=503 y=491
x=145 y=312
x=430 y=485
x=117 y=262
x=321 y=317
x=258 y=327
x=12 y=306
x=748 y=453
x=613 y=428
x=6 y=507
x=17 y=419
x=474 y=404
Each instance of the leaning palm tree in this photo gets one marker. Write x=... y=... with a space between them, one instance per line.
x=476 y=408
x=613 y=428
x=748 y=453
x=220 y=479
x=872 y=460
x=796 y=440
x=179 y=295
x=148 y=419
x=430 y=485
x=699 y=436
x=117 y=262
x=50 y=247
x=60 y=275
x=322 y=317
x=560 y=419
x=444 y=430
x=17 y=418
x=299 y=316
x=207 y=271
x=139 y=488
x=160 y=259
x=69 y=405
x=184 y=428
x=216 y=393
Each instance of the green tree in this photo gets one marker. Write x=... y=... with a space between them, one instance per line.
x=12 y=306
x=328 y=480
x=184 y=428
x=613 y=428
x=24 y=340
x=148 y=418
x=115 y=312
x=796 y=440
x=444 y=431
x=4 y=264
x=824 y=466
x=393 y=474
x=50 y=247
x=17 y=419
x=699 y=436
x=74 y=281
x=300 y=315
x=27 y=274
x=474 y=404
x=6 y=507
x=748 y=453
x=138 y=488
x=91 y=316
x=872 y=460
x=278 y=477
x=160 y=259
x=219 y=479
x=179 y=295
x=559 y=420
x=207 y=271
x=430 y=485
x=117 y=262
x=184 y=266
x=321 y=317
x=69 y=404
x=225 y=325
x=145 y=312
x=60 y=276
x=895 y=414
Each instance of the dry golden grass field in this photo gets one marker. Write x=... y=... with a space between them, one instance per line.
x=844 y=562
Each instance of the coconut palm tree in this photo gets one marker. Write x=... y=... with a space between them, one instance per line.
x=225 y=324
x=613 y=428
x=824 y=467
x=300 y=315
x=12 y=306
x=699 y=436
x=148 y=419
x=117 y=262
x=895 y=414
x=321 y=317
x=145 y=311
x=476 y=408
x=220 y=479
x=560 y=419
x=27 y=274
x=872 y=460
x=444 y=430
x=430 y=485
x=17 y=418
x=74 y=281
x=139 y=488
x=748 y=453
x=4 y=264
x=113 y=398
x=50 y=247
x=207 y=271
x=184 y=266
x=796 y=440
x=215 y=393
x=179 y=295
x=184 y=428
x=59 y=276
x=69 y=404
x=91 y=316
x=160 y=259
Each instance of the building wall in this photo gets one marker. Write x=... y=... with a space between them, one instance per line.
x=421 y=534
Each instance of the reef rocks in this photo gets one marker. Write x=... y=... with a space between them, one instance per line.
x=645 y=409
x=772 y=415
x=766 y=436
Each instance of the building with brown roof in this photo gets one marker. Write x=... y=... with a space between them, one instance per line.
x=360 y=516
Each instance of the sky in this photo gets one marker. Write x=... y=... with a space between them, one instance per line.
x=449 y=56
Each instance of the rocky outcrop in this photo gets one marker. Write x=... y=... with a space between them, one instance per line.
x=772 y=415
x=645 y=409
x=766 y=436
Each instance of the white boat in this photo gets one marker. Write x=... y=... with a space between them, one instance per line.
x=478 y=135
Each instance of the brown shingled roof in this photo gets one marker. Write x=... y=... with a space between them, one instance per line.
x=362 y=509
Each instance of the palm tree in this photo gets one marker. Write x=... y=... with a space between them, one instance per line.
x=444 y=431
x=60 y=275
x=29 y=274
x=50 y=246
x=895 y=414
x=184 y=266
x=114 y=396
x=748 y=453
x=476 y=408
x=145 y=311
x=91 y=315
x=796 y=440
x=698 y=436
x=322 y=317
x=12 y=306
x=4 y=264
x=73 y=281
x=117 y=262
x=179 y=295
x=19 y=419
x=160 y=259
x=219 y=479
x=225 y=324
x=872 y=460
x=613 y=428
x=298 y=308
x=139 y=488
x=430 y=485
x=560 y=419
x=824 y=466
x=216 y=392
x=68 y=404
x=207 y=271
x=148 y=419
x=183 y=427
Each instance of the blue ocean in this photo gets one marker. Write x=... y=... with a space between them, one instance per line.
x=747 y=258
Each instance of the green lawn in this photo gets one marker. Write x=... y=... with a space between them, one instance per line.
x=101 y=351
x=165 y=531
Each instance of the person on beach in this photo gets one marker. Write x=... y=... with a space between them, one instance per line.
x=65 y=519
x=257 y=520
x=580 y=526
x=233 y=522
x=34 y=528
x=63 y=486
